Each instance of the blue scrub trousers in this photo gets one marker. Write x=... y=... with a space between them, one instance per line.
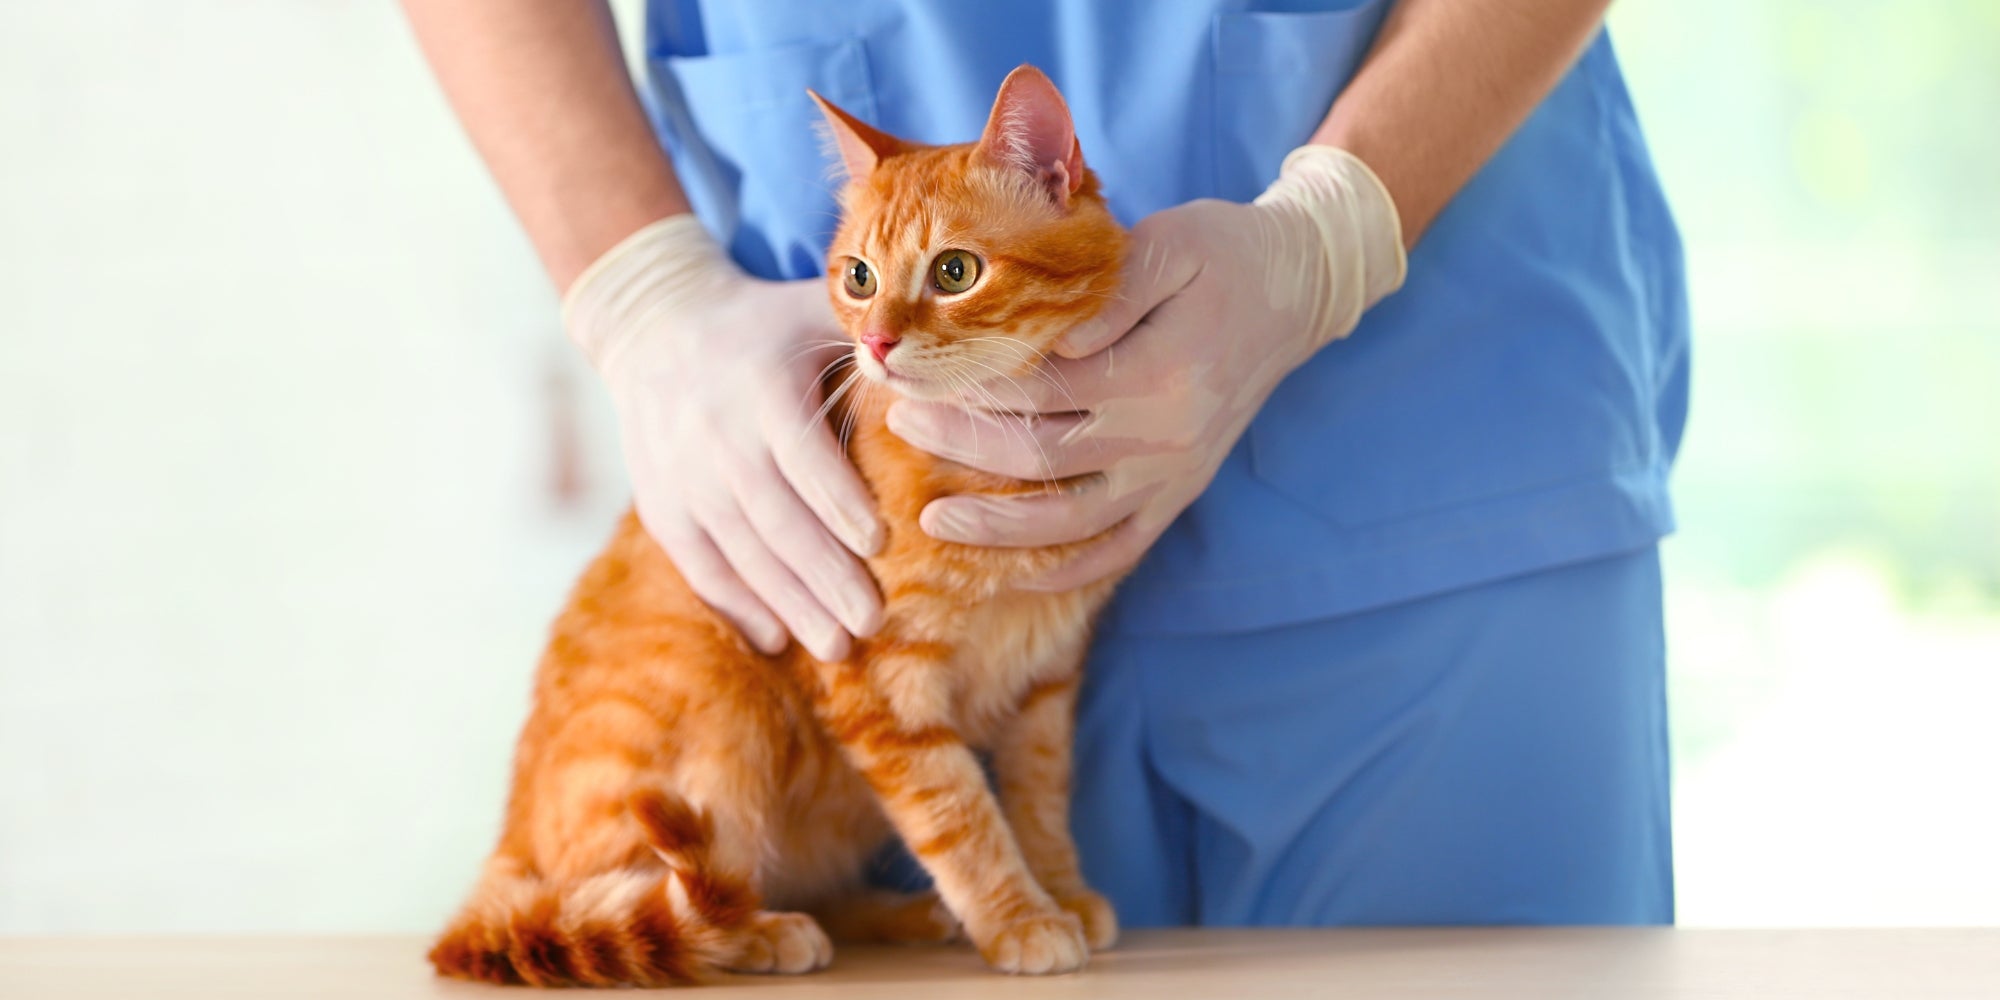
x=1496 y=754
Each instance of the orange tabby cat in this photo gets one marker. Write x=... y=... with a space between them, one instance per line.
x=683 y=804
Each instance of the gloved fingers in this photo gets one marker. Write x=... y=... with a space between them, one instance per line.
x=812 y=461
x=701 y=564
x=793 y=533
x=767 y=576
x=1157 y=266
x=1113 y=554
x=1037 y=520
x=1035 y=447
x=1150 y=352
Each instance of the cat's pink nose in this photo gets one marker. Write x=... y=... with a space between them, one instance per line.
x=880 y=344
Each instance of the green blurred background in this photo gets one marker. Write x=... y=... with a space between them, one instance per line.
x=1834 y=590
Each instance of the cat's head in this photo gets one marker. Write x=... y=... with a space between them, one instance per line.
x=955 y=265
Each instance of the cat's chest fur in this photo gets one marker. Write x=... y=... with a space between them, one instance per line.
x=1004 y=640
x=1011 y=644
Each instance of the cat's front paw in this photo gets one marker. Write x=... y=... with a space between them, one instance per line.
x=1100 y=921
x=1038 y=946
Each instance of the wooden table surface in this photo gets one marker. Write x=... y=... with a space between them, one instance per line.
x=1542 y=964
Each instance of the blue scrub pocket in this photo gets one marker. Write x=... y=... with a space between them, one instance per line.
x=749 y=145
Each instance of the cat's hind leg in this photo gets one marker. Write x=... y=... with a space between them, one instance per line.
x=758 y=940
x=782 y=943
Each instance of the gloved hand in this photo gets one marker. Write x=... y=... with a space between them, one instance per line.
x=715 y=376
x=1220 y=302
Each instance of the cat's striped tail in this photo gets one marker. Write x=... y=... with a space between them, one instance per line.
x=651 y=926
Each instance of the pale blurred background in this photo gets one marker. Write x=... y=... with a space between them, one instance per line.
x=295 y=465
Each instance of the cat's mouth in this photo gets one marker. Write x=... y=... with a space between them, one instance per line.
x=950 y=374
x=881 y=373
x=910 y=385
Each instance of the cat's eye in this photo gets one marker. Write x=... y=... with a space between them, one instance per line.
x=955 y=271
x=860 y=278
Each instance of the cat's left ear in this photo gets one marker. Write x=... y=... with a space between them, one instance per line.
x=1030 y=130
x=862 y=146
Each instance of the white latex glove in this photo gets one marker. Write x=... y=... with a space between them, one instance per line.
x=1220 y=301
x=716 y=379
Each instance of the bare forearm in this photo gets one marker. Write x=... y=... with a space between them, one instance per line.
x=543 y=92
x=1445 y=85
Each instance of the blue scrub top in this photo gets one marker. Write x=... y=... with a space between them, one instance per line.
x=1516 y=406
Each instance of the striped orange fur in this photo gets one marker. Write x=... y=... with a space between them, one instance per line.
x=682 y=804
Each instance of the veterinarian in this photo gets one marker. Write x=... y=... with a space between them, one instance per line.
x=1392 y=653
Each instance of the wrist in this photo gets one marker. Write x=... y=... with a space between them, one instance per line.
x=1338 y=205
x=633 y=289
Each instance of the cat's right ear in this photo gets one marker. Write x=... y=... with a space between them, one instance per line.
x=861 y=145
x=1031 y=131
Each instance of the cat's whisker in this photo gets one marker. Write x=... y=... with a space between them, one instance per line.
x=1026 y=431
x=1054 y=374
x=1068 y=396
x=818 y=383
x=968 y=358
x=871 y=392
x=955 y=381
x=1055 y=379
x=1045 y=377
x=1047 y=373
x=969 y=393
x=810 y=346
x=842 y=432
x=828 y=368
x=835 y=367
x=848 y=419
x=819 y=378
x=1010 y=344
x=832 y=398
x=976 y=401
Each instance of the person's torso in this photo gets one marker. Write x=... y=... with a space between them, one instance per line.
x=1514 y=406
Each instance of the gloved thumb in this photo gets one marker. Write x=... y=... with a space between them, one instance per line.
x=1156 y=268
